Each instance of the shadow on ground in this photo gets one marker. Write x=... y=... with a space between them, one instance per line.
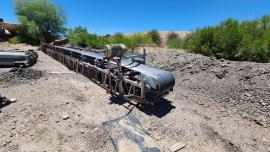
x=160 y=109
x=4 y=102
x=9 y=66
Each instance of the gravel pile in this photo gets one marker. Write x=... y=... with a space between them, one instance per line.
x=4 y=45
x=238 y=87
x=19 y=76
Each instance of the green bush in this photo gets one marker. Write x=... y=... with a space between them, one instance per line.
x=138 y=40
x=175 y=43
x=172 y=35
x=120 y=38
x=15 y=40
x=247 y=41
x=155 y=37
x=80 y=37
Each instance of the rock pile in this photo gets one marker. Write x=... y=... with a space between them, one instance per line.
x=19 y=76
x=242 y=87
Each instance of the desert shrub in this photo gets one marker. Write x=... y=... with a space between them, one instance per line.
x=172 y=35
x=247 y=40
x=80 y=37
x=15 y=40
x=76 y=36
x=175 y=43
x=119 y=38
x=155 y=37
x=139 y=39
x=96 y=41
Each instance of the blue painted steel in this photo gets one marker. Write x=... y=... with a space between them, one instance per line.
x=157 y=81
x=155 y=78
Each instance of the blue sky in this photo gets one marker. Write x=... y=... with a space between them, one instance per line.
x=128 y=16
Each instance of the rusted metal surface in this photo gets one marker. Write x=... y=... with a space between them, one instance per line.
x=116 y=73
x=15 y=57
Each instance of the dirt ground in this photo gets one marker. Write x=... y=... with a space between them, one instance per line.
x=7 y=45
x=216 y=105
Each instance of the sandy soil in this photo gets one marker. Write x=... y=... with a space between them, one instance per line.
x=6 y=45
x=208 y=110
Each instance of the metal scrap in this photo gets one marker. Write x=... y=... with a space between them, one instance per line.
x=16 y=57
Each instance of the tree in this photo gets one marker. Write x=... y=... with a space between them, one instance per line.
x=77 y=36
x=42 y=20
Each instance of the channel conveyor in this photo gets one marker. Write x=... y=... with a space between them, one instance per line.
x=120 y=75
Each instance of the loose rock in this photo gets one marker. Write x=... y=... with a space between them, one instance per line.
x=178 y=146
x=12 y=100
x=65 y=116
